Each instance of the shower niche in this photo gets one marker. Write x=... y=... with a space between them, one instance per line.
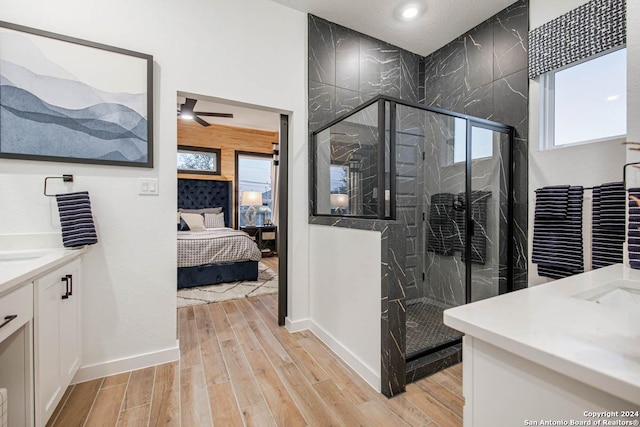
x=447 y=179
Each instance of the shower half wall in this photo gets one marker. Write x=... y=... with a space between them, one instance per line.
x=409 y=172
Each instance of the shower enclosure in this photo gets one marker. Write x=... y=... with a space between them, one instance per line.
x=448 y=178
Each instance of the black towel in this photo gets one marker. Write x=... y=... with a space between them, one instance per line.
x=608 y=224
x=76 y=219
x=557 y=240
x=479 y=201
x=634 y=229
x=442 y=227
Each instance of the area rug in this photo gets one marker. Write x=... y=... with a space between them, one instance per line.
x=267 y=283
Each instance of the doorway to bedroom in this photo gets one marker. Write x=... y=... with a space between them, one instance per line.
x=231 y=169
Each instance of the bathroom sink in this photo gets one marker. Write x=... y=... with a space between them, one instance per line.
x=620 y=294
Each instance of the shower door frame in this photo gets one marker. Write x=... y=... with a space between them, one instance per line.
x=394 y=371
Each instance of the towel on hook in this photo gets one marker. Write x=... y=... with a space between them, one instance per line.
x=441 y=224
x=76 y=219
x=479 y=201
x=557 y=240
x=608 y=224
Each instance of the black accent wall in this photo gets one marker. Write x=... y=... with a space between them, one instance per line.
x=482 y=73
x=347 y=68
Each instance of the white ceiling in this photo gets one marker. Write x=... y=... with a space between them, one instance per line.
x=440 y=22
x=243 y=116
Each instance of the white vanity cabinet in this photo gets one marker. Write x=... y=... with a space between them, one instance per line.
x=57 y=334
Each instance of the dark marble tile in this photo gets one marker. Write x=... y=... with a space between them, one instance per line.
x=322 y=51
x=510 y=34
x=347 y=59
x=433 y=363
x=321 y=104
x=390 y=70
x=511 y=103
x=431 y=76
x=478 y=102
x=451 y=70
x=478 y=45
x=395 y=381
x=370 y=69
x=410 y=72
x=421 y=79
x=346 y=100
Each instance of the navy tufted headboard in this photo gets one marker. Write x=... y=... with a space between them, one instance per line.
x=200 y=194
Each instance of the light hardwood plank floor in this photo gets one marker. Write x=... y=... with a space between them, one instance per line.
x=238 y=368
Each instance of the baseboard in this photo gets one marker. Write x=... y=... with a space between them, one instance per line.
x=296 y=325
x=117 y=366
x=347 y=356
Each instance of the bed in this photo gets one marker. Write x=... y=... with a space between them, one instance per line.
x=213 y=256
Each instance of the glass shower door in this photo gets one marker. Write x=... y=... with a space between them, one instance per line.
x=489 y=200
x=443 y=187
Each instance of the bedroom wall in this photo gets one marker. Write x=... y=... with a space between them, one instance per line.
x=228 y=139
x=129 y=305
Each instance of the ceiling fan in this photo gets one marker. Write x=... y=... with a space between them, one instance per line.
x=186 y=112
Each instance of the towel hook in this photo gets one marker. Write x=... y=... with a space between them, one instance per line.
x=65 y=178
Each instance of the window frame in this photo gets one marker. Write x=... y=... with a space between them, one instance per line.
x=202 y=150
x=547 y=107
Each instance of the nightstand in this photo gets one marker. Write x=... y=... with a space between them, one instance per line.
x=266 y=238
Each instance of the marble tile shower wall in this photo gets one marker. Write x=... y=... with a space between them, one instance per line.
x=347 y=68
x=483 y=73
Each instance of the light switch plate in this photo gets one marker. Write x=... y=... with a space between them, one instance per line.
x=148 y=186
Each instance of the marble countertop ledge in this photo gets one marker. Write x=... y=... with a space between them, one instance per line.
x=19 y=266
x=548 y=324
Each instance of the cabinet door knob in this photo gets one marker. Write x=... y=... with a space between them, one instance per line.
x=8 y=319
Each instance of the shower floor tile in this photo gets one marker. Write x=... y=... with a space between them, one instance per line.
x=425 y=328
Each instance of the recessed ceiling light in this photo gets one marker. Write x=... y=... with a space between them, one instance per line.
x=613 y=98
x=410 y=12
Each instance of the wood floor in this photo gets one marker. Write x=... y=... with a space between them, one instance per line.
x=238 y=368
x=271 y=262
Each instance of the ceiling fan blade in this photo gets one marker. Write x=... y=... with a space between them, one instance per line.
x=227 y=115
x=199 y=120
x=188 y=105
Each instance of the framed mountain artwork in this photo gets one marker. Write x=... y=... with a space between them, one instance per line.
x=68 y=100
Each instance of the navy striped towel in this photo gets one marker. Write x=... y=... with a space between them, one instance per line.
x=76 y=219
x=551 y=202
x=441 y=224
x=557 y=240
x=608 y=224
x=634 y=228
x=479 y=201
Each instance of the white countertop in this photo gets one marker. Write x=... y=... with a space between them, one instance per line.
x=17 y=267
x=593 y=343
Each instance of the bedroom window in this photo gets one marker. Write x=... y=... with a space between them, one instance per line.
x=253 y=177
x=198 y=160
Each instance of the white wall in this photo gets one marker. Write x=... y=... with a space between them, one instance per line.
x=586 y=165
x=218 y=48
x=345 y=295
x=633 y=84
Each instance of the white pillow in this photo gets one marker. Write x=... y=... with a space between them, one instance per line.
x=214 y=220
x=194 y=221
